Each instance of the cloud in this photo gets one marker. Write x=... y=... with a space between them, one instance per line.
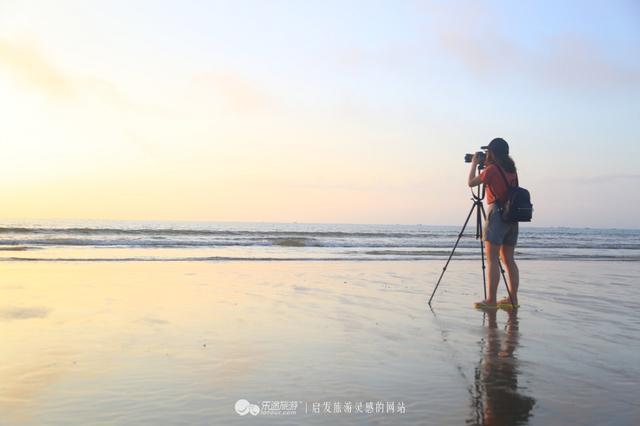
x=484 y=54
x=610 y=178
x=600 y=179
x=236 y=91
x=566 y=61
x=25 y=61
x=28 y=64
x=572 y=61
x=473 y=34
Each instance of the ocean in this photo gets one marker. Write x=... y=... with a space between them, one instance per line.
x=229 y=241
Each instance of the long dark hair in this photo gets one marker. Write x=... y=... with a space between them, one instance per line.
x=505 y=161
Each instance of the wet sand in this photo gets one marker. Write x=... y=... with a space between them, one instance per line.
x=122 y=343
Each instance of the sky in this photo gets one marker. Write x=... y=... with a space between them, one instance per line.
x=316 y=111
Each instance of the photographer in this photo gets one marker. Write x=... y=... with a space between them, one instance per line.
x=500 y=237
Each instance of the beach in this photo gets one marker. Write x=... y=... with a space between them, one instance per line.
x=308 y=342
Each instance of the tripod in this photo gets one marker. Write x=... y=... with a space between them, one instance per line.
x=477 y=198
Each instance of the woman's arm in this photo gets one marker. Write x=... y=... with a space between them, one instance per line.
x=473 y=179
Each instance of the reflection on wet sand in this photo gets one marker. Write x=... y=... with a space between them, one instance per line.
x=496 y=396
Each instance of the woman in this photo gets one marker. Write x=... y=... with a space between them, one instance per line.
x=500 y=238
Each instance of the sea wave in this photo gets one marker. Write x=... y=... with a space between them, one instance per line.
x=293 y=242
x=15 y=248
x=207 y=232
x=300 y=241
x=361 y=258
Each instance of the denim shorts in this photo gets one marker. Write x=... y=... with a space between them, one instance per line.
x=498 y=232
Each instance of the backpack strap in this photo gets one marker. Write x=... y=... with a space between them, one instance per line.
x=505 y=177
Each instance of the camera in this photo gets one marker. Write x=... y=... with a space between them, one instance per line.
x=481 y=156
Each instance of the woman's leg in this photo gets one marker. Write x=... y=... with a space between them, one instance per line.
x=493 y=270
x=507 y=254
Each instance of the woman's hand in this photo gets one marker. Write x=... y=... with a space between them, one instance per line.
x=473 y=179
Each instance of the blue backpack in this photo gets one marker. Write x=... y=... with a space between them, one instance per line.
x=518 y=207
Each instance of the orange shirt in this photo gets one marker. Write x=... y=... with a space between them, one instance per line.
x=495 y=184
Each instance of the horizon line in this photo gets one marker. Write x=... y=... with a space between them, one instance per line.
x=3 y=221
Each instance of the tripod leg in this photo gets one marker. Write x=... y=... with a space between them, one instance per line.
x=452 y=251
x=484 y=215
x=479 y=235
